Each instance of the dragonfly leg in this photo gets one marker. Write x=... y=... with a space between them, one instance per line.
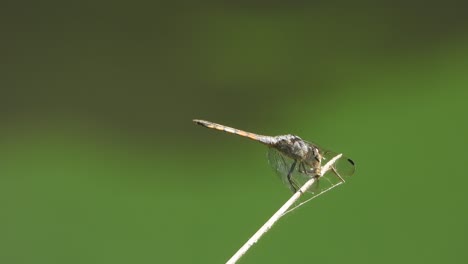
x=302 y=168
x=293 y=187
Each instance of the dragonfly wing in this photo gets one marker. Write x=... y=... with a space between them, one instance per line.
x=282 y=164
x=344 y=166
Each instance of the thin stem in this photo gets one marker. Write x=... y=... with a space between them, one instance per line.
x=279 y=213
x=311 y=198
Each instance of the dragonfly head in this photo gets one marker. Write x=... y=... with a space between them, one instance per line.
x=313 y=159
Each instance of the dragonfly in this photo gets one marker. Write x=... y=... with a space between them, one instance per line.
x=295 y=160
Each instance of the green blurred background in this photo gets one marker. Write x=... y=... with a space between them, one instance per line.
x=100 y=162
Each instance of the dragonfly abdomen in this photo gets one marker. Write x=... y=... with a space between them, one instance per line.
x=260 y=138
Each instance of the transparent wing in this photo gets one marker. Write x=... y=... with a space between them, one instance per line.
x=344 y=166
x=282 y=164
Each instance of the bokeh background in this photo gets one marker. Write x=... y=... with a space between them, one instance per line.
x=100 y=162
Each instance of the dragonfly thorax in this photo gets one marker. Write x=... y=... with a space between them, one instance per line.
x=298 y=149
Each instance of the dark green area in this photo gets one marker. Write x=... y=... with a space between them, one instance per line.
x=100 y=162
